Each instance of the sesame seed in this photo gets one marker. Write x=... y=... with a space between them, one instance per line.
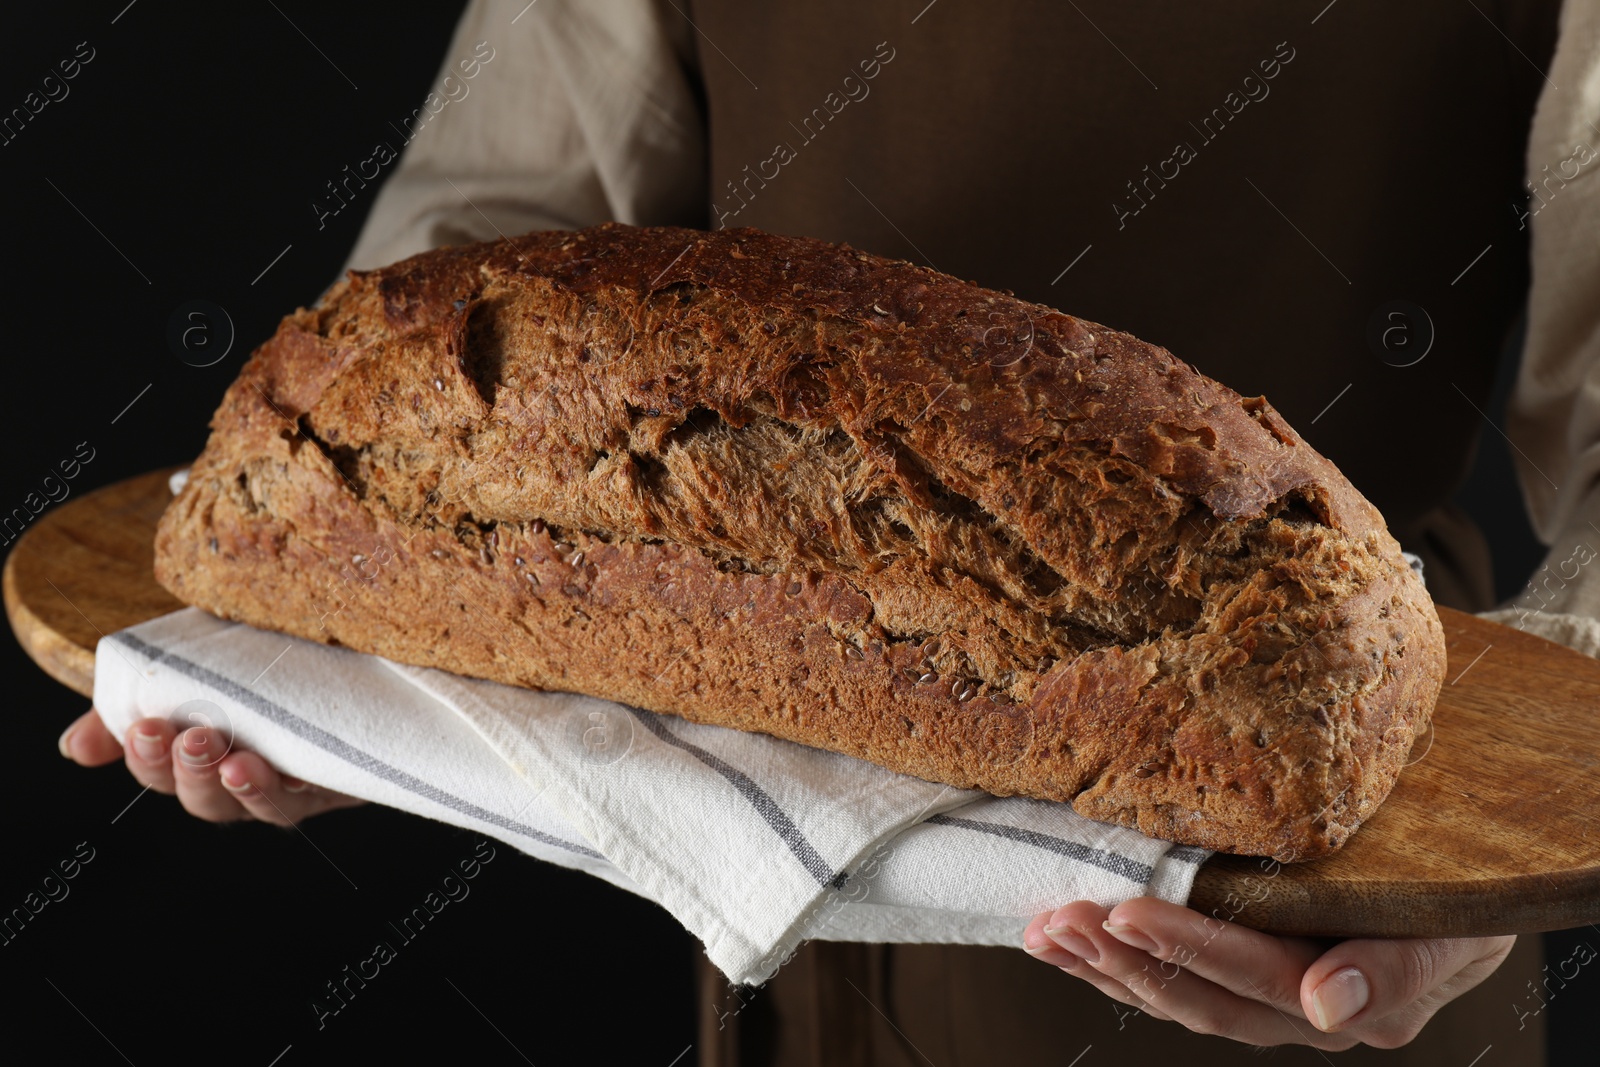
x=928 y=679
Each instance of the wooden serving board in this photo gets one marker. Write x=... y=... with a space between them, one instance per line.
x=84 y=570
x=1493 y=828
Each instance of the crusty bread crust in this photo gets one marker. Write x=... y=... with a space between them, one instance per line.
x=785 y=486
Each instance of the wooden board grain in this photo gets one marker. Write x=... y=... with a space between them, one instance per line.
x=1493 y=828
x=83 y=570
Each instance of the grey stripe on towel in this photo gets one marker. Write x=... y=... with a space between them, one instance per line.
x=337 y=746
x=1132 y=870
x=759 y=799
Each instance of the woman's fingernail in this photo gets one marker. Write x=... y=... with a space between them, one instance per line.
x=1340 y=996
x=66 y=740
x=202 y=758
x=1038 y=951
x=295 y=785
x=241 y=787
x=1073 y=942
x=1130 y=935
x=149 y=747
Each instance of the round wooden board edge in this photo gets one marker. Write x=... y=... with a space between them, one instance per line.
x=1292 y=903
x=66 y=661
x=70 y=664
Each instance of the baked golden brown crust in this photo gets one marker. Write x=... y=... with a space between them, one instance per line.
x=785 y=486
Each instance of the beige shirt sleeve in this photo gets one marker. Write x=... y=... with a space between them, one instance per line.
x=1554 y=417
x=581 y=113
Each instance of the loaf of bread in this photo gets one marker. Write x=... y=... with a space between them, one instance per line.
x=785 y=486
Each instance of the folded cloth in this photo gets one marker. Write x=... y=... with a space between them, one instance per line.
x=753 y=843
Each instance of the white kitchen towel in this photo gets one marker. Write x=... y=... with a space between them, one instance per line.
x=753 y=843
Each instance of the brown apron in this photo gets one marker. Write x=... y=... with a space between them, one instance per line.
x=1321 y=204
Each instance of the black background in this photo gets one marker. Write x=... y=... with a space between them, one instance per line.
x=196 y=140
x=195 y=143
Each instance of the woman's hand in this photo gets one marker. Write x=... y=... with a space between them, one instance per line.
x=211 y=781
x=1220 y=978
